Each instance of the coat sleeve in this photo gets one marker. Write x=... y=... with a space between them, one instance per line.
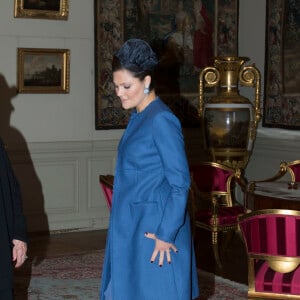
x=169 y=141
x=12 y=199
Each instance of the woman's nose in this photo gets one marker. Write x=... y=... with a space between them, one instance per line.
x=119 y=92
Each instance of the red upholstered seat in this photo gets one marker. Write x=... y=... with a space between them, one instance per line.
x=272 y=239
x=212 y=207
x=295 y=167
x=226 y=215
x=267 y=280
x=211 y=177
x=106 y=183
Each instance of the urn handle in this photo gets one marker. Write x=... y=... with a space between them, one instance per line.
x=209 y=76
x=250 y=76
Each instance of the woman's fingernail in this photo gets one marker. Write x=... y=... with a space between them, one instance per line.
x=151 y=261
x=169 y=262
x=146 y=233
x=160 y=265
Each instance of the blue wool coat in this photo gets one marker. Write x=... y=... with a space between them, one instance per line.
x=150 y=194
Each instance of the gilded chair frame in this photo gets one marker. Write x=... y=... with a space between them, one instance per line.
x=213 y=198
x=282 y=264
x=284 y=168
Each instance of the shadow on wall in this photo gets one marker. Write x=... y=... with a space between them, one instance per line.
x=18 y=152
x=16 y=146
x=167 y=85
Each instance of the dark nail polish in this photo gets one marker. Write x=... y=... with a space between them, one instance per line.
x=146 y=233
x=151 y=261
x=169 y=262
x=160 y=265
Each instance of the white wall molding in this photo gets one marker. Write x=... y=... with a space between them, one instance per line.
x=60 y=183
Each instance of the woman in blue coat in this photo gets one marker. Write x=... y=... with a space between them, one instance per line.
x=149 y=251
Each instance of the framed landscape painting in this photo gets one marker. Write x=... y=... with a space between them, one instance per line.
x=186 y=35
x=282 y=68
x=43 y=70
x=53 y=9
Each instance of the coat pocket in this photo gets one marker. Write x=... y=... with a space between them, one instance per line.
x=145 y=216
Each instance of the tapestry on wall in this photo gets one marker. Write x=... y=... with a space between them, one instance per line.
x=282 y=69
x=185 y=34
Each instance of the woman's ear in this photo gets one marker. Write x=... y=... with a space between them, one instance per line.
x=147 y=80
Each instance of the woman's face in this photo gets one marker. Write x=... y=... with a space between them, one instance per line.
x=130 y=90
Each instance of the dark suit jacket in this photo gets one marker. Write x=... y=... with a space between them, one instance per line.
x=12 y=220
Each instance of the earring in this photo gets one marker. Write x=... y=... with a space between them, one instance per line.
x=146 y=90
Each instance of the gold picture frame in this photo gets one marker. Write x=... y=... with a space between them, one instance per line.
x=35 y=9
x=42 y=70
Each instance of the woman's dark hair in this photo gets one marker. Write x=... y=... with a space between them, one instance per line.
x=137 y=57
x=117 y=66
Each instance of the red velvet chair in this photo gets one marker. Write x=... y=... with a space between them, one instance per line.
x=272 y=239
x=106 y=183
x=212 y=204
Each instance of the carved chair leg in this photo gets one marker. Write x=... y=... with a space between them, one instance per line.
x=216 y=249
x=229 y=235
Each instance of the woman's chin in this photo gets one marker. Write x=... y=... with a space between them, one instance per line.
x=126 y=107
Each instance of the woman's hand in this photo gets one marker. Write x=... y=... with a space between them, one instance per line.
x=19 y=252
x=162 y=248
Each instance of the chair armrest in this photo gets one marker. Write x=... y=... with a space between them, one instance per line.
x=283 y=168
